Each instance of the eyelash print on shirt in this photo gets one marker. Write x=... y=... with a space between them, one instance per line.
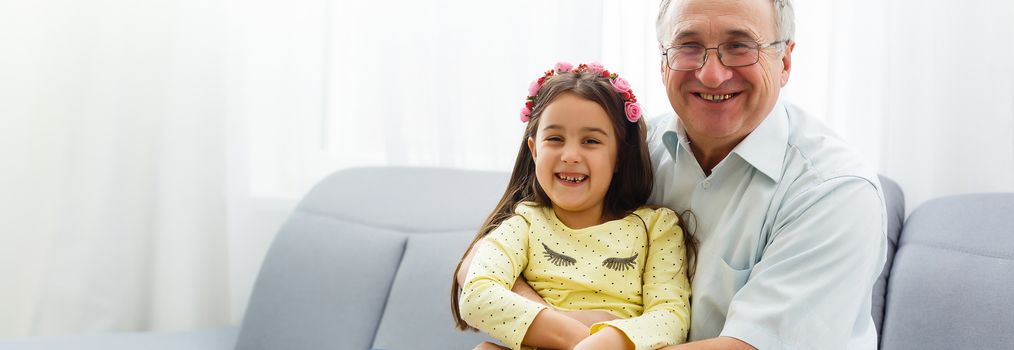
x=557 y=258
x=620 y=264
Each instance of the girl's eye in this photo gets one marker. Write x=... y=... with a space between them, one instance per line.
x=592 y=141
x=554 y=139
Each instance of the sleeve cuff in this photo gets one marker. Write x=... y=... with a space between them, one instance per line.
x=618 y=325
x=638 y=337
x=757 y=337
x=531 y=311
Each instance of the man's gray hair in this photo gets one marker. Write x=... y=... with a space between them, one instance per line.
x=785 y=21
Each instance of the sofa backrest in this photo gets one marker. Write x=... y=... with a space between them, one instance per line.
x=366 y=259
x=952 y=281
x=895 y=201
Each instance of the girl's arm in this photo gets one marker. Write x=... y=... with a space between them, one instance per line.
x=552 y=329
x=521 y=286
x=487 y=302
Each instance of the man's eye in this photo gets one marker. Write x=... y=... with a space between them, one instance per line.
x=691 y=49
x=739 y=47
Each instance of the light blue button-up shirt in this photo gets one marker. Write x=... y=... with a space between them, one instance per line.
x=792 y=231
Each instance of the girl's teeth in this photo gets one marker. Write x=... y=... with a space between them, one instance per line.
x=573 y=179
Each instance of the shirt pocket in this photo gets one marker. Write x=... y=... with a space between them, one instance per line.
x=711 y=301
x=730 y=279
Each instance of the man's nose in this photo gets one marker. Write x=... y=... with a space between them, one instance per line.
x=713 y=73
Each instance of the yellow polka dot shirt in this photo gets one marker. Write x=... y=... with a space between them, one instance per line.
x=631 y=267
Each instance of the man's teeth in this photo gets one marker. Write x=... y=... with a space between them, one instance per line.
x=715 y=98
x=574 y=179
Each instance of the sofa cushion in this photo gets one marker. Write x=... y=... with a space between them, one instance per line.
x=951 y=283
x=323 y=285
x=418 y=312
x=327 y=276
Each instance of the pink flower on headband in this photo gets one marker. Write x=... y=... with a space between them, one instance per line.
x=526 y=114
x=534 y=87
x=631 y=108
x=620 y=85
x=633 y=111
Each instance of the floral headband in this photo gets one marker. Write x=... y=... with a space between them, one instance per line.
x=630 y=106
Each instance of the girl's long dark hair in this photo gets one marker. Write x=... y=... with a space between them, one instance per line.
x=630 y=186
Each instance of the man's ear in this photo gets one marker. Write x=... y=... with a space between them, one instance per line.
x=531 y=147
x=787 y=61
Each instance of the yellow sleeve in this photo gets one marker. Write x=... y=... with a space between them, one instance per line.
x=666 y=289
x=487 y=302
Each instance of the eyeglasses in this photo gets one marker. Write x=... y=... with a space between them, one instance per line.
x=731 y=54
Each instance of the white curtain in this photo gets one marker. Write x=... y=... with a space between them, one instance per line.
x=925 y=89
x=113 y=213
x=949 y=117
x=152 y=148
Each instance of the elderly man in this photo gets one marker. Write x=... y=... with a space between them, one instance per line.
x=790 y=222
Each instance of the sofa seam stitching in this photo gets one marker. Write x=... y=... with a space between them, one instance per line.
x=987 y=254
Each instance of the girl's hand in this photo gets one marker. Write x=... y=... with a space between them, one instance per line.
x=590 y=317
x=488 y=346
x=607 y=338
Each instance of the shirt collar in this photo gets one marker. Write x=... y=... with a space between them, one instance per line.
x=675 y=137
x=764 y=148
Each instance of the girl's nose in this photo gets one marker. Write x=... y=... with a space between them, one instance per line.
x=571 y=154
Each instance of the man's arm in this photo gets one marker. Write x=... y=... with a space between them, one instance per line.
x=720 y=343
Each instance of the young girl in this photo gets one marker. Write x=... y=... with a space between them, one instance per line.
x=573 y=224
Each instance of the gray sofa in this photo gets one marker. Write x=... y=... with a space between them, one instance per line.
x=365 y=262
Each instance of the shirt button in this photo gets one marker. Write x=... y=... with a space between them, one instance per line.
x=706 y=184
